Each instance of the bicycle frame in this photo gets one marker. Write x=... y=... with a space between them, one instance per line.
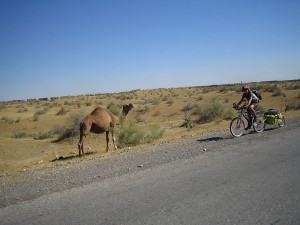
x=244 y=113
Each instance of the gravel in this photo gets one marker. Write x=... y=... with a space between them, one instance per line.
x=28 y=185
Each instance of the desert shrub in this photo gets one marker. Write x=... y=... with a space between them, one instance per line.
x=116 y=109
x=42 y=135
x=143 y=109
x=71 y=129
x=170 y=102
x=156 y=113
x=229 y=114
x=293 y=86
x=165 y=98
x=62 y=111
x=141 y=119
x=36 y=118
x=223 y=89
x=58 y=129
x=20 y=134
x=277 y=92
x=210 y=112
x=153 y=132
x=7 y=119
x=187 y=107
x=295 y=105
x=155 y=101
x=200 y=98
x=40 y=112
x=131 y=134
x=55 y=104
x=205 y=90
x=2 y=105
x=271 y=88
x=21 y=110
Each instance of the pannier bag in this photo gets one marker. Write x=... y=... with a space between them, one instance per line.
x=273 y=116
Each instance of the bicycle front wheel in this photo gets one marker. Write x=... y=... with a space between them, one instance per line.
x=259 y=125
x=237 y=127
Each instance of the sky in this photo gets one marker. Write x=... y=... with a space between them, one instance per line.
x=51 y=48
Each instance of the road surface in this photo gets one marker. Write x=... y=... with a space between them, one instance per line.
x=251 y=183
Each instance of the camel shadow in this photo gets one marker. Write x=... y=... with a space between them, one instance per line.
x=65 y=158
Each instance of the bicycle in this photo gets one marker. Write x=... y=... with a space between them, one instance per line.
x=237 y=125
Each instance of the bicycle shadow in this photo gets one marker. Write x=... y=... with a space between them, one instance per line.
x=214 y=139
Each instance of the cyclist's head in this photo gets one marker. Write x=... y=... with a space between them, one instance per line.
x=245 y=88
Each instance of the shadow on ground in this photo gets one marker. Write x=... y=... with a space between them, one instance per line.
x=65 y=158
x=214 y=139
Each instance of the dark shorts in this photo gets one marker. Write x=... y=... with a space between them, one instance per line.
x=255 y=104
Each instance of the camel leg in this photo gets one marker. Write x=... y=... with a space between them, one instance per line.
x=80 y=145
x=114 y=138
x=107 y=141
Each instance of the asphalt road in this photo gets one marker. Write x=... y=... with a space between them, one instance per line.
x=242 y=184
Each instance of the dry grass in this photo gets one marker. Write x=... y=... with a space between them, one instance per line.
x=167 y=107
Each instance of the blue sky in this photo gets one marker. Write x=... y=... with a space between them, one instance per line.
x=59 y=47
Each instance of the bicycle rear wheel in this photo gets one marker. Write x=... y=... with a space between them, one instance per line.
x=259 y=125
x=281 y=124
x=237 y=127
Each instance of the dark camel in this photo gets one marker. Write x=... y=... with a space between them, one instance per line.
x=99 y=121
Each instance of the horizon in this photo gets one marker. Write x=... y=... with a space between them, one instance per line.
x=47 y=98
x=70 y=48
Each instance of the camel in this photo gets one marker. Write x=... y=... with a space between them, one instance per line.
x=99 y=121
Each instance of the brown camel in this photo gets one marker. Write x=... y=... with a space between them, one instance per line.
x=99 y=121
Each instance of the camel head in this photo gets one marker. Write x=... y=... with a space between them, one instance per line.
x=127 y=108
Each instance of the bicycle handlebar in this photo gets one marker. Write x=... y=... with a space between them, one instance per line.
x=238 y=107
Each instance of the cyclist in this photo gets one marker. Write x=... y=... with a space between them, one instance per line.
x=251 y=103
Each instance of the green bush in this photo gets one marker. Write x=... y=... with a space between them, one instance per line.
x=277 y=92
x=20 y=134
x=42 y=135
x=131 y=134
x=8 y=120
x=210 y=112
x=36 y=118
x=40 y=112
x=62 y=111
x=72 y=127
x=116 y=109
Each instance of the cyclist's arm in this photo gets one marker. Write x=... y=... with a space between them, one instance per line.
x=242 y=100
x=250 y=100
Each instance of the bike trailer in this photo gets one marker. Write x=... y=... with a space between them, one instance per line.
x=273 y=116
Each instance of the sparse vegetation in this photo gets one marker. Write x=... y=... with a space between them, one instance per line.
x=62 y=111
x=131 y=134
x=20 y=134
x=211 y=111
x=200 y=109
x=72 y=128
x=42 y=135
x=116 y=109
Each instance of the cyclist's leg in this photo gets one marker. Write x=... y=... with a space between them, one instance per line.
x=251 y=110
